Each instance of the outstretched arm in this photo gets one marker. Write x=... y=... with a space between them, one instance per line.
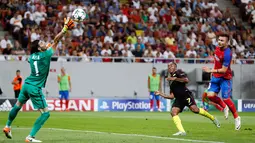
x=68 y=24
x=56 y=40
x=171 y=96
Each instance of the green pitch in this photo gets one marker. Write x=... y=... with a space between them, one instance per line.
x=129 y=127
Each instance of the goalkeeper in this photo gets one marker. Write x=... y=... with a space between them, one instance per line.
x=39 y=61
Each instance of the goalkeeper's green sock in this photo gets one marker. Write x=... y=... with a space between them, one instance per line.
x=39 y=123
x=12 y=115
x=178 y=123
x=206 y=114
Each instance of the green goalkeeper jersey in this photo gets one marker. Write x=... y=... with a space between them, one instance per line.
x=39 y=65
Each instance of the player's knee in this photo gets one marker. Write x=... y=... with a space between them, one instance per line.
x=19 y=104
x=194 y=109
x=174 y=113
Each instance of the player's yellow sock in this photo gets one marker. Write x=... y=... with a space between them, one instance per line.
x=178 y=123
x=206 y=114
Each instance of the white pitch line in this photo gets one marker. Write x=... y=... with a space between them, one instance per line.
x=132 y=135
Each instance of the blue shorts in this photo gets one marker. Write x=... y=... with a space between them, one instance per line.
x=217 y=84
x=64 y=94
x=152 y=96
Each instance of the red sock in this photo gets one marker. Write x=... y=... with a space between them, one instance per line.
x=151 y=104
x=217 y=100
x=61 y=104
x=158 y=104
x=67 y=101
x=218 y=107
x=231 y=106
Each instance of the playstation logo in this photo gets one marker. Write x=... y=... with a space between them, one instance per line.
x=104 y=105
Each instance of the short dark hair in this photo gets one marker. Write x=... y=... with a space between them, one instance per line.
x=154 y=68
x=34 y=47
x=17 y=70
x=172 y=63
x=224 y=35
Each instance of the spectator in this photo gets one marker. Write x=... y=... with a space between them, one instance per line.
x=191 y=53
x=132 y=37
x=240 y=47
x=140 y=44
x=168 y=54
x=106 y=49
x=250 y=54
x=96 y=57
x=108 y=37
x=119 y=44
x=28 y=21
x=216 y=12
x=4 y=42
x=7 y=50
x=126 y=52
x=17 y=49
x=187 y=10
x=39 y=16
x=121 y=17
x=35 y=34
x=77 y=31
x=115 y=29
x=16 y=22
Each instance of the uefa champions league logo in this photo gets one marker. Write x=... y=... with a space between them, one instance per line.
x=104 y=105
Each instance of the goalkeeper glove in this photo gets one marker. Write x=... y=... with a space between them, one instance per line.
x=68 y=24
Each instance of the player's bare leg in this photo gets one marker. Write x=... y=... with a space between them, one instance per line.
x=12 y=115
x=204 y=113
x=177 y=122
x=37 y=125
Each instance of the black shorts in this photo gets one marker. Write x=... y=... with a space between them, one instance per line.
x=186 y=100
x=16 y=93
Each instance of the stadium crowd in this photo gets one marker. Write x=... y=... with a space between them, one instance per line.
x=163 y=29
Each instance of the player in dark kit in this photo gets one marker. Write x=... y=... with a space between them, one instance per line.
x=183 y=97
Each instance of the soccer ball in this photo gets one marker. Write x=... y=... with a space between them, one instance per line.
x=78 y=15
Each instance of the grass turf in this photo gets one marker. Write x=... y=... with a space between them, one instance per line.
x=150 y=127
